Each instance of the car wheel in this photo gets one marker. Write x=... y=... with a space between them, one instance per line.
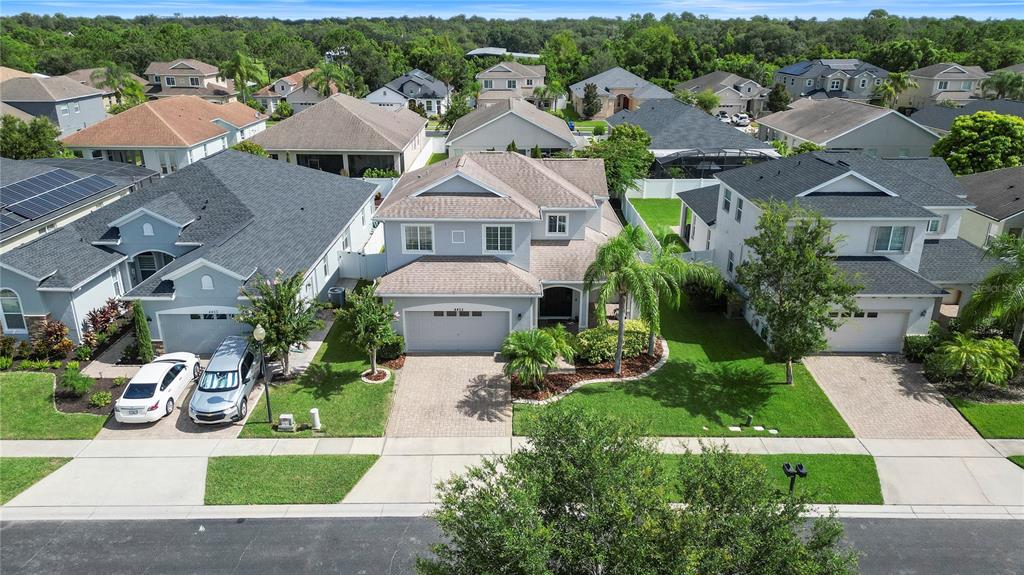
x=170 y=406
x=243 y=409
x=196 y=371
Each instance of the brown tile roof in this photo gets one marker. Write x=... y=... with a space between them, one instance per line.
x=344 y=123
x=164 y=68
x=171 y=122
x=454 y=275
x=84 y=77
x=525 y=110
x=521 y=186
x=35 y=89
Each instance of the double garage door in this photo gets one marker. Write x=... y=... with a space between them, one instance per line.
x=198 y=332
x=870 y=331
x=455 y=330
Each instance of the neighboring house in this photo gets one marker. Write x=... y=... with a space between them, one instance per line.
x=39 y=196
x=839 y=124
x=9 y=110
x=512 y=80
x=687 y=143
x=942 y=83
x=68 y=104
x=1017 y=68
x=497 y=126
x=8 y=73
x=346 y=135
x=84 y=77
x=831 y=78
x=697 y=217
x=735 y=93
x=998 y=198
x=618 y=90
x=168 y=134
x=500 y=53
x=185 y=245
x=898 y=221
x=187 y=77
x=290 y=90
x=413 y=86
x=492 y=242
x=940 y=118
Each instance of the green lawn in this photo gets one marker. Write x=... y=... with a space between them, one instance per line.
x=580 y=124
x=435 y=158
x=27 y=412
x=715 y=376
x=1018 y=459
x=348 y=407
x=20 y=473
x=283 y=479
x=658 y=212
x=831 y=479
x=993 y=420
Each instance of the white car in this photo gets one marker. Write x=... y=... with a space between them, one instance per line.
x=740 y=119
x=151 y=394
x=723 y=116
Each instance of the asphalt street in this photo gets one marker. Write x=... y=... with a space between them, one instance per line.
x=390 y=546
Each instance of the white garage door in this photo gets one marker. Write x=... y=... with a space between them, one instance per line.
x=455 y=330
x=870 y=331
x=198 y=332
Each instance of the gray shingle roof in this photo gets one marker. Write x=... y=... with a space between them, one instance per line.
x=937 y=71
x=36 y=89
x=716 y=81
x=674 y=125
x=418 y=84
x=703 y=202
x=822 y=120
x=621 y=78
x=863 y=206
x=998 y=194
x=954 y=261
x=941 y=117
x=451 y=275
x=825 y=66
x=879 y=275
x=521 y=108
x=190 y=66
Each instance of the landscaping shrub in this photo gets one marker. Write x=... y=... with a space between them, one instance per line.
x=52 y=340
x=75 y=383
x=380 y=173
x=119 y=381
x=83 y=353
x=100 y=399
x=392 y=348
x=39 y=364
x=703 y=298
x=975 y=362
x=597 y=345
x=917 y=347
x=72 y=365
x=7 y=346
x=6 y=362
x=24 y=349
x=985 y=328
x=103 y=318
x=599 y=130
x=142 y=336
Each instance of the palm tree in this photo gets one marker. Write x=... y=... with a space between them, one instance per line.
x=118 y=79
x=244 y=69
x=889 y=91
x=550 y=91
x=1001 y=293
x=1005 y=84
x=328 y=78
x=529 y=355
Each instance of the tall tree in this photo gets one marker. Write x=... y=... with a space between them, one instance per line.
x=369 y=320
x=1001 y=293
x=127 y=89
x=591 y=101
x=1004 y=84
x=626 y=157
x=279 y=306
x=778 y=98
x=888 y=92
x=244 y=69
x=328 y=78
x=793 y=282
x=143 y=339
x=457 y=108
x=27 y=140
x=981 y=142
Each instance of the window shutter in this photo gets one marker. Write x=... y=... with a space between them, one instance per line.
x=909 y=238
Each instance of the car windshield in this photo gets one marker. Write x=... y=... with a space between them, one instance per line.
x=139 y=391
x=218 y=381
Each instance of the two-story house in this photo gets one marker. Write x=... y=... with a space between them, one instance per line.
x=735 y=93
x=512 y=80
x=186 y=245
x=168 y=134
x=998 y=198
x=492 y=242
x=415 y=86
x=897 y=222
x=68 y=104
x=831 y=78
x=617 y=89
x=290 y=89
x=188 y=77
x=940 y=83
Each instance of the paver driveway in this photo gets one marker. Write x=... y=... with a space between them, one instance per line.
x=451 y=396
x=884 y=397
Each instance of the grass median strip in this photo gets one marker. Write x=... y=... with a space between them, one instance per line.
x=20 y=473
x=283 y=479
x=27 y=411
x=831 y=479
x=993 y=420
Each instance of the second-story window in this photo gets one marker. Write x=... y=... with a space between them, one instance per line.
x=739 y=209
x=966 y=85
x=529 y=81
x=891 y=239
x=193 y=81
x=730 y=264
x=727 y=201
x=863 y=82
x=498 y=239
x=511 y=84
x=943 y=85
x=558 y=224
x=419 y=238
x=169 y=80
x=488 y=84
x=934 y=226
x=878 y=81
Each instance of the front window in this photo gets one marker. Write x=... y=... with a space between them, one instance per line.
x=116 y=280
x=966 y=85
x=488 y=84
x=529 y=81
x=498 y=239
x=863 y=82
x=76 y=107
x=14 y=321
x=64 y=111
x=557 y=225
x=419 y=239
x=193 y=81
x=730 y=264
x=727 y=201
x=835 y=84
x=511 y=84
x=890 y=239
x=218 y=381
x=808 y=82
x=943 y=85
x=139 y=391
x=169 y=80
x=933 y=226
x=878 y=81
x=739 y=209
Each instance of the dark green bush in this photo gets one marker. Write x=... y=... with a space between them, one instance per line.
x=100 y=399
x=7 y=345
x=6 y=362
x=83 y=353
x=393 y=348
x=76 y=383
x=597 y=345
x=917 y=347
x=599 y=130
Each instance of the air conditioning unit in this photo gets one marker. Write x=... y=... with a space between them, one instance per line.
x=286 y=422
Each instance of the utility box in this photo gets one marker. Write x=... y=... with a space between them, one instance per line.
x=314 y=416
x=336 y=295
x=286 y=422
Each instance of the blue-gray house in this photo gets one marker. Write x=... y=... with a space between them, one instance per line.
x=186 y=245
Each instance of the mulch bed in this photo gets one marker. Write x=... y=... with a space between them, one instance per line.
x=392 y=364
x=381 y=375
x=558 y=382
x=1013 y=393
x=68 y=403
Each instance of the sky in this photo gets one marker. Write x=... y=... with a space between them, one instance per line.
x=510 y=9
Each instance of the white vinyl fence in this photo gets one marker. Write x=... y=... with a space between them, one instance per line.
x=651 y=188
x=633 y=218
x=362 y=266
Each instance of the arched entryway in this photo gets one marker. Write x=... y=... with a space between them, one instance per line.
x=144 y=264
x=622 y=102
x=559 y=302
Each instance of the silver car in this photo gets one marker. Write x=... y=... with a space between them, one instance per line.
x=222 y=393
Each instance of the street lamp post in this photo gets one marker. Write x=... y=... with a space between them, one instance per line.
x=259 y=334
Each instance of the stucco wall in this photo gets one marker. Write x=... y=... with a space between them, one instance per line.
x=443 y=245
x=890 y=136
x=498 y=134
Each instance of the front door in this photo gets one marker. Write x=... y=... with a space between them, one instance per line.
x=557 y=302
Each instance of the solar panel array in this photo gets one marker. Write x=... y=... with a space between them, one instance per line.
x=46 y=193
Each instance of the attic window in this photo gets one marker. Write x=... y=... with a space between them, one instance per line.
x=147 y=229
x=206 y=282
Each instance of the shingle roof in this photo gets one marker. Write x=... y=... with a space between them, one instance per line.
x=9 y=110
x=35 y=89
x=164 y=68
x=8 y=73
x=863 y=206
x=999 y=194
x=342 y=122
x=516 y=70
x=621 y=78
x=674 y=125
x=824 y=120
x=209 y=89
x=714 y=81
x=243 y=209
x=180 y=121
x=523 y=185
x=954 y=261
x=703 y=202
x=1019 y=68
x=295 y=79
x=84 y=76
x=879 y=275
x=521 y=108
x=941 y=117
x=451 y=275
x=418 y=84
x=827 y=66
x=939 y=71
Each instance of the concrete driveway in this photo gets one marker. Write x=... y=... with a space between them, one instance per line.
x=884 y=397
x=451 y=396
